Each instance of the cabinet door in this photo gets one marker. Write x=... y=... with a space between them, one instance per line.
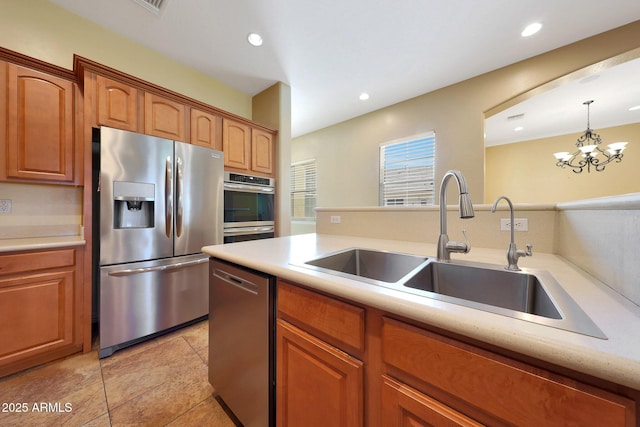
x=261 y=151
x=36 y=314
x=40 y=125
x=205 y=129
x=317 y=384
x=117 y=104
x=236 y=139
x=164 y=118
x=403 y=406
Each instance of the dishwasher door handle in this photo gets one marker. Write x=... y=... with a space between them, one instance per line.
x=236 y=281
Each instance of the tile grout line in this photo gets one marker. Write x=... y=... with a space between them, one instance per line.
x=104 y=390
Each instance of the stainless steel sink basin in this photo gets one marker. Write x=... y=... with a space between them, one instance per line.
x=521 y=292
x=530 y=295
x=369 y=265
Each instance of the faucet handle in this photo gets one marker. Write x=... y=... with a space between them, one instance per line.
x=467 y=243
x=528 y=252
x=460 y=247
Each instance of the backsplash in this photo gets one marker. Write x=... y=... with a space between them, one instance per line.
x=39 y=210
x=422 y=224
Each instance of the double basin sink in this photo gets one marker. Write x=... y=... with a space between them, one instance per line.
x=530 y=295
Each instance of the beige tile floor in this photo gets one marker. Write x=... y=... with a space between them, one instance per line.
x=161 y=382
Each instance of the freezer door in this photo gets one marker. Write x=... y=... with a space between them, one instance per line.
x=199 y=198
x=136 y=197
x=143 y=298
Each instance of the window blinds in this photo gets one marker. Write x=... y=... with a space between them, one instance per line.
x=303 y=189
x=407 y=171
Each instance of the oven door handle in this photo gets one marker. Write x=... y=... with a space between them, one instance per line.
x=248 y=188
x=239 y=231
x=170 y=267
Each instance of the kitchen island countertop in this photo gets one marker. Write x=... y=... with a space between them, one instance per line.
x=616 y=359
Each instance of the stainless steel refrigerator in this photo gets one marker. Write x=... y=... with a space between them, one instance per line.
x=160 y=202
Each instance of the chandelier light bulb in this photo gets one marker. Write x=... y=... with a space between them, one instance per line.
x=617 y=146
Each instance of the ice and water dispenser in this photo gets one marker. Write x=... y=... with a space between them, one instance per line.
x=133 y=204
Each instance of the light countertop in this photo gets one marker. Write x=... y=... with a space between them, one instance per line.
x=616 y=359
x=37 y=243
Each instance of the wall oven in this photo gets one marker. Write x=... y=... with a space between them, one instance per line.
x=249 y=207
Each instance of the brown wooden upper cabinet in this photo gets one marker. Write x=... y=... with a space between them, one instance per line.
x=117 y=104
x=261 y=151
x=206 y=129
x=38 y=114
x=164 y=118
x=247 y=149
x=236 y=140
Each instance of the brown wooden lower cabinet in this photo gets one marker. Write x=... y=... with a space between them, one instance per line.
x=505 y=391
x=317 y=384
x=40 y=307
x=416 y=377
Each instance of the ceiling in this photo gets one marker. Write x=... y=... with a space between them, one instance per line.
x=330 y=51
x=614 y=91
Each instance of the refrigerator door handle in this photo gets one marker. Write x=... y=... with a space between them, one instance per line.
x=168 y=196
x=170 y=267
x=179 y=201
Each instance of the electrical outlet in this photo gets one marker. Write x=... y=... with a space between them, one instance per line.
x=520 y=224
x=5 y=206
x=335 y=219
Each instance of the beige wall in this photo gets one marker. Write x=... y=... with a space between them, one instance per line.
x=45 y=31
x=272 y=107
x=526 y=171
x=347 y=153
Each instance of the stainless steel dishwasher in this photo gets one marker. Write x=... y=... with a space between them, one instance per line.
x=241 y=341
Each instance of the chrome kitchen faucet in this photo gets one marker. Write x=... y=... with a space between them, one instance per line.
x=465 y=208
x=512 y=252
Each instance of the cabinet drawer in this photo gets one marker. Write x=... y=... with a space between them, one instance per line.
x=336 y=322
x=33 y=261
x=502 y=388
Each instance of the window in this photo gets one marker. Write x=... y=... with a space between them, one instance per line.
x=303 y=190
x=407 y=171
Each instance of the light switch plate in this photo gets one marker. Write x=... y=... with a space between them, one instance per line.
x=5 y=206
x=520 y=224
x=335 y=219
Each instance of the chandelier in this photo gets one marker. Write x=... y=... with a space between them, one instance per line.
x=589 y=154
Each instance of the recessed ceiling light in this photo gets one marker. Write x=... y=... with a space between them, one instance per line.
x=531 y=29
x=364 y=96
x=518 y=129
x=637 y=107
x=255 y=39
